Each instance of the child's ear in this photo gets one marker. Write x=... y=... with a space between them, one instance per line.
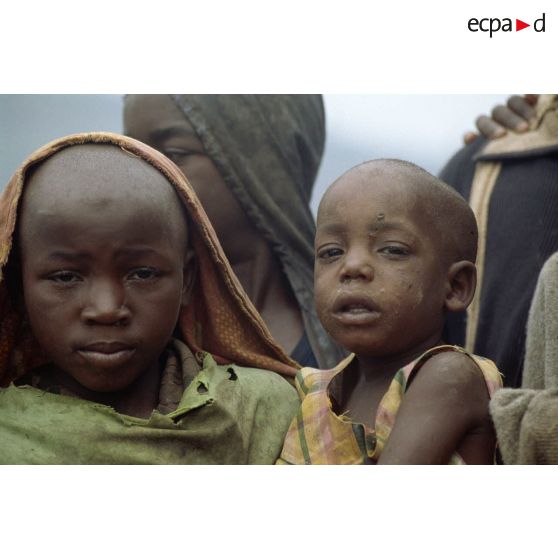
x=189 y=271
x=462 y=280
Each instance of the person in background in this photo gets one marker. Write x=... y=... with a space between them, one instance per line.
x=252 y=160
x=526 y=418
x=511 y=183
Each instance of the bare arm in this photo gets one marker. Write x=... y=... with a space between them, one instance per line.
x=444 y=408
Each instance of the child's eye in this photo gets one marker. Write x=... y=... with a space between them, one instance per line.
x=65 y=277
x=394 y=250
x=329 y=253
x=143 y=274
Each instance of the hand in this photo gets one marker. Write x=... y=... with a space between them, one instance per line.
x=516 y=115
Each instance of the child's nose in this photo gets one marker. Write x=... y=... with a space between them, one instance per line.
x=357 y=265
x=106 y=305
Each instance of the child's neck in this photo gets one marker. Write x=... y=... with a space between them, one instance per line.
x=137 y=400
x=369 y=367
x=368 y=378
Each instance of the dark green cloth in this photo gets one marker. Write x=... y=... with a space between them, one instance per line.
x=268 y=149
x=226 y=415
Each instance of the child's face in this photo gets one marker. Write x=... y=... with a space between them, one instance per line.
x=379 y=282
x=103 y=264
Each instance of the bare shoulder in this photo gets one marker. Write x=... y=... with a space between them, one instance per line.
x=444 y=411
x=450 y=367
x=452 y=379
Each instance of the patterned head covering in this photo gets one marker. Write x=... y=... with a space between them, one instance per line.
x=268 y=150
x=220 y=319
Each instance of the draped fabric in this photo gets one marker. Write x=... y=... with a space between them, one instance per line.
x=268 y=149
x=221 y=320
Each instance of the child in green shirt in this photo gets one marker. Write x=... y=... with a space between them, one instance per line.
x=124 y=335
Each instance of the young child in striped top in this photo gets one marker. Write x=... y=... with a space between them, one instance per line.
x=395 y=252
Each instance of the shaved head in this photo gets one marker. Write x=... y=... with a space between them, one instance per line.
x=442 y=210
x=91 y=178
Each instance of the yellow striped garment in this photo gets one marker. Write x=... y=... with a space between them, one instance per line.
x=318 y=435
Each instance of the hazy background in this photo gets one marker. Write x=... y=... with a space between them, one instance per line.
x=424 y=129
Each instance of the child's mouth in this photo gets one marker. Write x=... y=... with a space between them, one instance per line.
x=356 y=313
x=107 y=354
x=355 y=309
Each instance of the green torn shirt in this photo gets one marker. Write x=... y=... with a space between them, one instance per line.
x=226 y=415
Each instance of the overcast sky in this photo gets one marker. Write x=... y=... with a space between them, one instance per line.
x=424 y=129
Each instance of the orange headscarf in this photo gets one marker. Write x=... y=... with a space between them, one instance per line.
x=220 y=319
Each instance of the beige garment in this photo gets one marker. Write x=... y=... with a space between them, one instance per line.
x=526 y=422
x=541 y=359
x=526 y=419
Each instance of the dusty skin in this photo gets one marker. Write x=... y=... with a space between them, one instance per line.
x=387 y=271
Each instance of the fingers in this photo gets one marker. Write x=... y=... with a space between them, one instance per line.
x=523 y=107
x=531 y=99
x=509 y=119
x=517 y=115
x=489 y=127
x=469 y=137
